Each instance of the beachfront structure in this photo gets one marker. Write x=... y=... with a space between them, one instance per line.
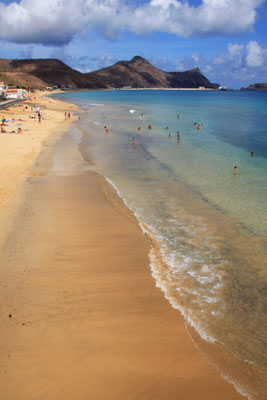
x=14 y=94
x=2 y=86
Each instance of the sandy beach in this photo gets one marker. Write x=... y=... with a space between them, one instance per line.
x=81 y=317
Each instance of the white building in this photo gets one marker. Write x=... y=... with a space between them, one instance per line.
x=14 y=94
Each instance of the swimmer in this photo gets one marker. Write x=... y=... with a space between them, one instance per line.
x=169 y=135
x=166 y=128
x=139 y=128
x=195 y=123
x=149 y=126
x=178 y=116
x=178 y=135
x=252 y=154
x=235 y=170
x=133 y=141
x=198 y=127
x=106 y=129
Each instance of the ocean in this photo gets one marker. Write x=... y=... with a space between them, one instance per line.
x=207 y=225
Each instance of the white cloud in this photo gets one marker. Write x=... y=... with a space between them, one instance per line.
x=233 y=55
x=241 y=64
x=224 y=17
x=56 y=22
x=255 y=55
x=237 y=56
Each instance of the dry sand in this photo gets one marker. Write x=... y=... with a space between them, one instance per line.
x=87 y=322
x=18 y=151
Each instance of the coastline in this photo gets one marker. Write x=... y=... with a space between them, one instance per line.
x=84 y=305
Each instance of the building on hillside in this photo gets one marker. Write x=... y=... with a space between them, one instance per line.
x=14 y=94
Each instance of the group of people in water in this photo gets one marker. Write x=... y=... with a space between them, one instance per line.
x=178 y=136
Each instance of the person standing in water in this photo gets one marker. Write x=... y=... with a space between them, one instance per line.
x=235 y=170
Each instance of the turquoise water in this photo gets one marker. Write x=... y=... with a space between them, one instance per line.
x=208 y=225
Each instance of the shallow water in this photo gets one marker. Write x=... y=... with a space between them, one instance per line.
x=208 y=225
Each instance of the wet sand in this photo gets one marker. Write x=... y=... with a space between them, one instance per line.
x=86 y=320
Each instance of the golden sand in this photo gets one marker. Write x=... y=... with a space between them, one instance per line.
x=81 y=318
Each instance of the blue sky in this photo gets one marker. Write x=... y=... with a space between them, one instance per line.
x=226 y=39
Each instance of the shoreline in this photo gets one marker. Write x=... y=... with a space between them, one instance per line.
x=76 y=309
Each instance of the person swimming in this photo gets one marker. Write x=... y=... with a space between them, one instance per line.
x=252 y=154
x=169 y=135
x=149 y=126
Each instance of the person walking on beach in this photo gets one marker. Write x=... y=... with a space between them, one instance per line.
x=39 y=117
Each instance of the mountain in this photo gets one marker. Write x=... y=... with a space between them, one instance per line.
x=40 y=73
x=256 y=86
x=137 y=73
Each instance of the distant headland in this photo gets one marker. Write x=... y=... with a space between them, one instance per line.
x=256 y=86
